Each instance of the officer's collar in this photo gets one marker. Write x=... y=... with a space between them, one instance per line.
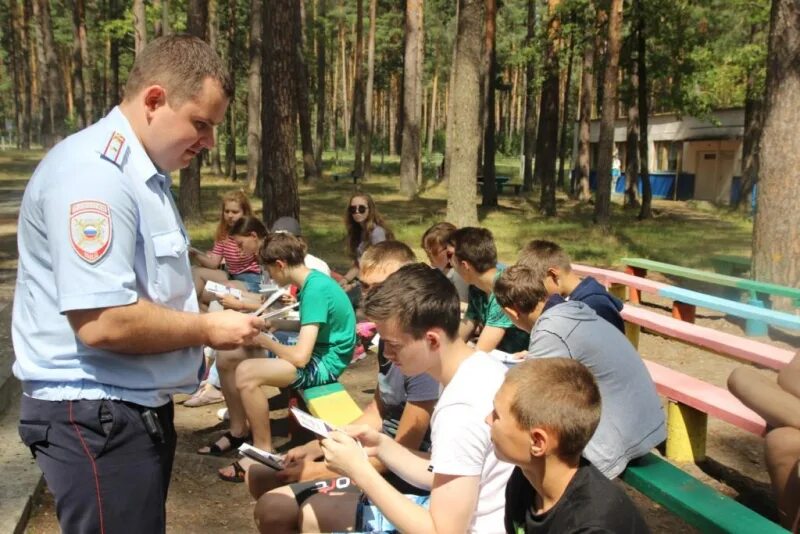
x=141 y=165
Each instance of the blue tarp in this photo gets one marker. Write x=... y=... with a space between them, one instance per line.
x=661 y=183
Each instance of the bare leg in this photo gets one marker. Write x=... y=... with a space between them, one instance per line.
x=763 y=395
x=250 y=376
x=201 y=275
x=782 y=454
x=332 y=512
x=260 y=479
x=276 y=512
x=227 y=362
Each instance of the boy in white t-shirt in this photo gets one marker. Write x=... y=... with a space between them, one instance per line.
x=416 y=311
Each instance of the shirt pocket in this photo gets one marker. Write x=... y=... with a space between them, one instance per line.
x=173 y=277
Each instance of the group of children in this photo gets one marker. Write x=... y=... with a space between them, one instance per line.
x=450 y=442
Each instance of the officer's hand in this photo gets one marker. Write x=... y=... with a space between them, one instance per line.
x=229 y=329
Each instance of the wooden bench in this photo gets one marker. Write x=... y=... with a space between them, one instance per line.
x=501 y=182
x=343 y=175
x=696 y=503
x=617 y=282
x=723 y=343
x=730 y=264
x=332 y=403
x=759 y=292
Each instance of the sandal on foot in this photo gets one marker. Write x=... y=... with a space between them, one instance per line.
x=234 y=442
x=238 y=474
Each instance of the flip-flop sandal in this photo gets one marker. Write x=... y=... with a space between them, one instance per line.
x=238 y=474
x=204 y=398
x=234 y=441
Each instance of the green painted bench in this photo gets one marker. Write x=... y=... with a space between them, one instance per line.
x=696 y=503
x=501 y=182
x=331 y=403
x=730 y=264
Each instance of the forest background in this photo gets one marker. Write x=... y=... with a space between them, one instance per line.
x=448 y=86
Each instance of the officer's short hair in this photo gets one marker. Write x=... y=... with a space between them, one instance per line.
x=180 y=63
x=284 y=247
x=559 y=394
x=417 y=297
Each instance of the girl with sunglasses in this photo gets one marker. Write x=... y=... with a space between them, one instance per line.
x=365 y=227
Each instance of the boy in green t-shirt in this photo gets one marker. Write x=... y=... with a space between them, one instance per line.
x=324 y=347
x=475 y=260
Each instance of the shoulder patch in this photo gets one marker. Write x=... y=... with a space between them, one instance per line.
x=114 y=148
x=90 y=229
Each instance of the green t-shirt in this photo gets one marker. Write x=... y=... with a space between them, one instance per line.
x=485 y=310
x=323 y=302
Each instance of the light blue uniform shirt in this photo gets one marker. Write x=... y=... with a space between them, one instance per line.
x=98 y=228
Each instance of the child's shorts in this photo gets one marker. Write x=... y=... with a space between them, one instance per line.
x=370 y=519
x=251 y=280
x=312 y=375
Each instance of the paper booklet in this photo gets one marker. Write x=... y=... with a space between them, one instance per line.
x=309 y=422
x=267 y=458
x=221 y=290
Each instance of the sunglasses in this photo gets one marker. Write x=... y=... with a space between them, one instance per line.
x=361 y=208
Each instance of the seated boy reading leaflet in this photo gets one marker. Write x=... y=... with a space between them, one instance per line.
x=324 y=348
x=543 y=417
x=475 y=260
x=416 y=312
x=401 y=409
x=632 y=421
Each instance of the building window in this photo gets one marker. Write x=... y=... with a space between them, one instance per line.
x=667 y=155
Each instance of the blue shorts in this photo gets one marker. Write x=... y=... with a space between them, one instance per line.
x=370 y=519
x=251 y=280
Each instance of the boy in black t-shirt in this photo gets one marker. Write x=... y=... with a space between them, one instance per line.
x=544 y=414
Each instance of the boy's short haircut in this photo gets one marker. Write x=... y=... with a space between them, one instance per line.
x=418 y=298
x=438 y=236
x=520 y=288
x=541 y=255
x=284 y=247
x=180 y=63
x=559 y=395
x=385 y=252
x=476 y=246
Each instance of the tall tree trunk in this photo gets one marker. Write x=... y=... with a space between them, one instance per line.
x=189 y=198
x=158 y=25
x=432 y=120
x=254 y=171
x=643 y=99
x=139 y=26
x=562 y=144
x=254 y=97
x=345 y=110
x=115 y=87
x=547 y=136
x=78 y=48
x=166 y=26
x=359 y=113
x=529 y=139
x=632 y=134
x=280 y=179
x=776 y=231
x=213 y=40
x=489 y=191
x=397 y=132
x=321 y=89
x=230 y=123
x=303 y=105
x=602 y=207
x=465 y=134
x=751 y=142
x=55 y=94
x=369 y=93
x=412 y=105
x=587 y=83
x=16 y=69
x=27 y=96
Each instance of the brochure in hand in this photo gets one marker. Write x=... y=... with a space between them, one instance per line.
x=267 y=458
x=309 y=422
x=221 y=290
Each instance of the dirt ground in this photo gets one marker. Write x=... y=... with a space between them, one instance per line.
x=201 y=502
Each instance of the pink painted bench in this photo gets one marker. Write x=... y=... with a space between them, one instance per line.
x=721 y=342
x=609 y=278
x=705 y=397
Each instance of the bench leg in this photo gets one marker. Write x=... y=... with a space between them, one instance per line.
x=683 y=312
x=686 y=433
x=635 y=293
x=619 y=291
x=754 y=327
x=632 y=332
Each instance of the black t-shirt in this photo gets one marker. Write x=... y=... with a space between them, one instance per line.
x=591 y=503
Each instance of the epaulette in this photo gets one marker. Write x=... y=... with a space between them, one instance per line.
x=113 y=150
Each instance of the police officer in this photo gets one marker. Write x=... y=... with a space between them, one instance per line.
x=105 y=322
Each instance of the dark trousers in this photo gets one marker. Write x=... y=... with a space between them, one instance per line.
x=108 y=474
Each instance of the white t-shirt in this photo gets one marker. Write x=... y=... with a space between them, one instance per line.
x=460 y=437
x=313 y=262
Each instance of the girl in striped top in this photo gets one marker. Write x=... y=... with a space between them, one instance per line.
x=240 y=270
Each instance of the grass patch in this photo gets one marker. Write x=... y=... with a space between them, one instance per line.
x=683 y=233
